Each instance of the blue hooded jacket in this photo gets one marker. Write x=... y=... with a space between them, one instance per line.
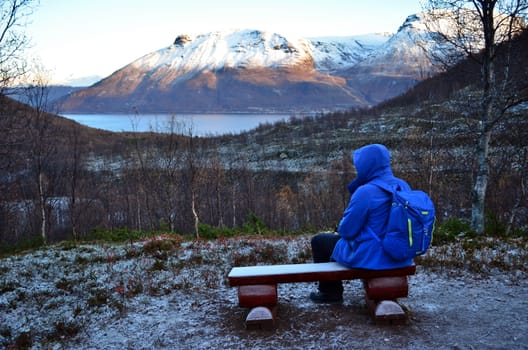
x=367 y=210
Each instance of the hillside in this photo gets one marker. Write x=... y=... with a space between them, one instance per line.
x=286 y=176
x=458 y=78
x=18 y=122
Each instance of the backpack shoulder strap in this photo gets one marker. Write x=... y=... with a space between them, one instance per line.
x=387 y=188
x=384 y=186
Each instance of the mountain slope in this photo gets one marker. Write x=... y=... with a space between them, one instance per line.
x=230 y=71
x=251 y=70
x=397 y=65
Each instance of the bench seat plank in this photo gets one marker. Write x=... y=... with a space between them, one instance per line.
x=310 y=272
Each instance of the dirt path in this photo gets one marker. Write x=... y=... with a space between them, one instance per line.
x=445 y=313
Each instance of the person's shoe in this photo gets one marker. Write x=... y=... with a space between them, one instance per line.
x=326 y=298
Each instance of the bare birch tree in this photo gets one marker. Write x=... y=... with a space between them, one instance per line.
x=492 y=23
x=194 y=176
x=73 y=176
x=42 y=148
x=13 y=41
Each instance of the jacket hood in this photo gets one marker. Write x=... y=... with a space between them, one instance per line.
x=370 y=161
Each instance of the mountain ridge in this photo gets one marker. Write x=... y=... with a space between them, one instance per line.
x=253 y=70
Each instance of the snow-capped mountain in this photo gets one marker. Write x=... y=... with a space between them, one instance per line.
x=398 y=64
x=331 y=54
x=252 y=70
x=248 y=50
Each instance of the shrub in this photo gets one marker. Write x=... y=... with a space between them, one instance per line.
x=28 y=244
x=23 y=341
x=162 y=246
x=254 y=224
x=209 y=232
x=118 y=235
x=494 y=226
x=261 y=252
x=98 y=297
x=449 y=230
x=65 y=329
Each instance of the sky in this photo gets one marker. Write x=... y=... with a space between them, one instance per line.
x=73 y=39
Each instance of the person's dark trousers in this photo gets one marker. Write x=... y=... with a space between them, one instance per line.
x=322 y=247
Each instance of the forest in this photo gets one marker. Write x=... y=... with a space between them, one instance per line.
x=60 y=180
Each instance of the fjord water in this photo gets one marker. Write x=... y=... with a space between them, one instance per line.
x=195 y=124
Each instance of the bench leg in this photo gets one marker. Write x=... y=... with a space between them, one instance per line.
x=261 y=318
x=257 y=295
x=381 y=295
x=262 y=299
x=386 y=312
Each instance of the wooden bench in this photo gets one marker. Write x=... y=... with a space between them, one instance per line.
x=257 y=288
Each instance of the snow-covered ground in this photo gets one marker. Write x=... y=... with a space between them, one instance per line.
x=163 y=293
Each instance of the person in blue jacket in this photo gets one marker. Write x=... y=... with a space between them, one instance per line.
x=355 y=244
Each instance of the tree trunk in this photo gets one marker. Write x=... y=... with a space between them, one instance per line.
x=138 y=209
x=42 y=203
x=478 y=195
x=234 y=203
x=195 y=214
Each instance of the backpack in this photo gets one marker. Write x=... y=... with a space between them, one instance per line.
x=410 y=225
